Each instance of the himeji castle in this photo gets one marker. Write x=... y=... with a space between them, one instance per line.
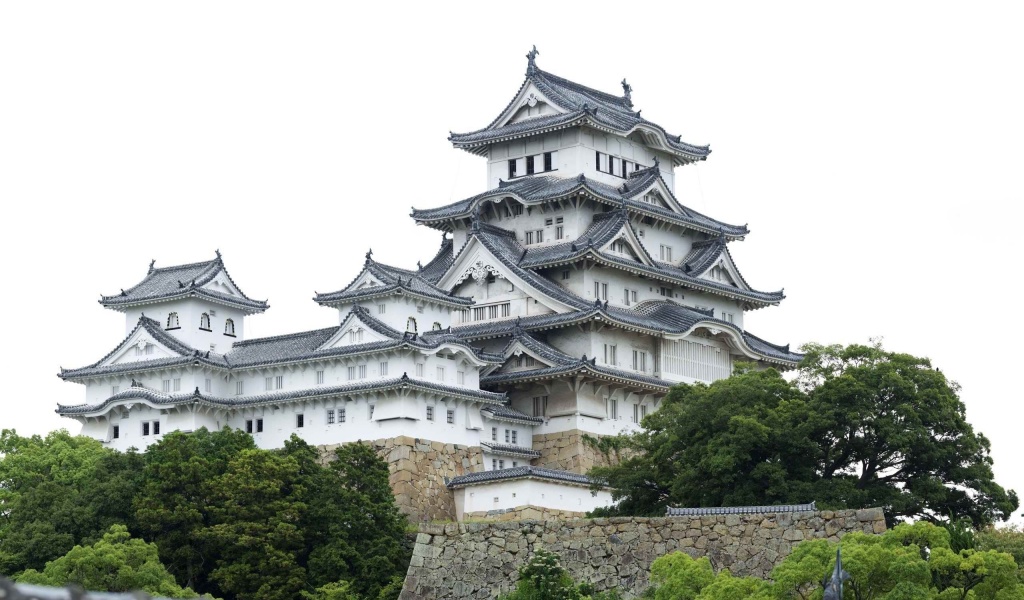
x=563 y=302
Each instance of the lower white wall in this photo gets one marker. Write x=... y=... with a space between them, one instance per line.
x=499 y=495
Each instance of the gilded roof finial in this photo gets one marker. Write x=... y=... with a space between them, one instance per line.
x=627 y=93
x=531 y=57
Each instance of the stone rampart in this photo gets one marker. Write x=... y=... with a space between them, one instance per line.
x=417 y=473
x=481 y=560
x=568 y=451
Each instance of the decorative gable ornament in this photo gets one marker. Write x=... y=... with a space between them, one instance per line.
x=531 y=100
x=479 y=272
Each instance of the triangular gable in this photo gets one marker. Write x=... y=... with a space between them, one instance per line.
x=625 y=243
x=658 y=194
x=476 y=262
x=140 y=346
x=529 y=103
x=724 y=271
x=353 y=331
x=365 y=280
x=520 y=358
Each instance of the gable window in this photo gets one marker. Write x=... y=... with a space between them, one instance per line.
x=430 y=413
x=149 y=349
x=204 y=322
x=229 y=327
x=300 y=420
x=437 y=326
x=460 y=377
x=172 y=321
x=451 y=417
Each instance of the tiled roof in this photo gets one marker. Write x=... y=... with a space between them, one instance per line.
x=281 y=349
x=540 y=189
x=163 y=399
x=434 y=270
x=584 y=106
x=394 y=281
x=505 y=412
x=509 y=450
x=519 y=473
x=739 y=510
x=181 y=281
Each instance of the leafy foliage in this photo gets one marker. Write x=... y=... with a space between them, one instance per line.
x=116 y=563
x=861 y=427
x=907 y=562
x=544 y=578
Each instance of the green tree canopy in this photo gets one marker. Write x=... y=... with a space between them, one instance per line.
x=116 y=563
x=861 y=427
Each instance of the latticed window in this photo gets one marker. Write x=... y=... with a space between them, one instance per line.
x=172 y=321
x=229 y=327
x=204 y=322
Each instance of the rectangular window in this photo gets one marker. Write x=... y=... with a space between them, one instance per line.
x=506 y=309
x=633 y=295
x=115 y=389
x=166 y=385
x=460 y=377
x=728 y=317
x=279 y=382
x=666 y=253
x=341 y=415
x=529 y=165
x=300 y=420
x=625 y=297
x=208 y=386
x=145 y=428
x=117 y=432
x=547 y=161
x=451 y=417
x=548 y=222
x=351 y=373
x=156 y=427
x=268 y=384
x=517 y=209
x=383 y=368
x=330 y=416
x=440 y=373
x=559 y=232
x=419 y=369
x=540 y=236
x=511 y=168
x=371 y=411
x=643 y=411
x=609 y=354
x=494 y=434
x=494 y=467
x=529 y=238
x=382 y=308
x=515 y=437
x=430 y=413
x=478 y=313
x=613 y=408
x=259 y=425
x=636 y=413
x=248 y=426
x=239 y=388
x=639 y=361
x=319 y=377
x=540 y=406
x=362 y=371
x=597 y=161
x=501 y=463
x=664 y=291
x=508 y=436
x=565 y=275
x=492 y=312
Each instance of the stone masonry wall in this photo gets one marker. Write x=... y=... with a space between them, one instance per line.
x=417 y=471
x=481 y=560
x=567 y=451
x=524 y=513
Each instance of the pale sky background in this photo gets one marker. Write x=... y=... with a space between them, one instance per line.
x=875 y=149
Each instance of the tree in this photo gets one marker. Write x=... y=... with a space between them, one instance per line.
x=57 y=492
x=116 y=563
x=358 y=532
x=861 y=427
x=907 y=562
x=173 y=504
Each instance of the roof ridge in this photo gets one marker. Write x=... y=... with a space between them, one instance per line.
x=611 y=98
x=283 y=336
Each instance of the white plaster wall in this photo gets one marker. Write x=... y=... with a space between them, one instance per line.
x=189 y=311
x=398 y=310
x=500 y=495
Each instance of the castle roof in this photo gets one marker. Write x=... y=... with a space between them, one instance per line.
x=579 y=106
x=541 y=189
x=184 y=281
x=504 y=412
x=162 y=399
x=509 y=450
x=739 y=510
x=523 y=472
x=385 y=280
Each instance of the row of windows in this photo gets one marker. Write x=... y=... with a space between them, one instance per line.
x=450 y=415
x=528 y=165
x=511 y=435
x=173 y=322
x=148 y=428
x=639 y=358
x=498 y=464
x=613 y=165
x=482 y=313
x=612 y=409
x=354 y=373
x=536 y=236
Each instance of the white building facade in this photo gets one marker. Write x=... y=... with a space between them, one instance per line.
x=563 y=302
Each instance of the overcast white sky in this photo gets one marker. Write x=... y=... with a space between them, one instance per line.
x=874 y=148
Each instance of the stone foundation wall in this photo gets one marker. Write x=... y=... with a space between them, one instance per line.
x=566 y=450
x=418 y=468
x=524 y=513
x=481 y=560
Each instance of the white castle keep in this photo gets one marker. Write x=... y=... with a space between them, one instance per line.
x=563 y=302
